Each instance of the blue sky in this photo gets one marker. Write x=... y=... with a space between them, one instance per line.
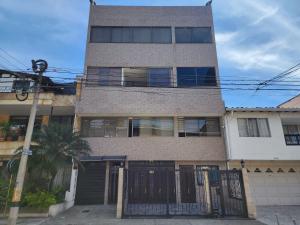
x=256 y=39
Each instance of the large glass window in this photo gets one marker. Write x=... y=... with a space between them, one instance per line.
x=253 y=127
x=104 y=76
x=199 y=126
x=196 y=76
x=152 y=127
x=143 y=77
x=193 y=35
x=131 y=77
x=131 y=35
x=104 y=127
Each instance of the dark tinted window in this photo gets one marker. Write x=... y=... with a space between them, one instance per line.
x=104 y=76
x=183 y=35
x=101 y=34
x=161 y=35
x=141 y=35
x=131 y=35
x=193 y=35
x=196 y=76
x=159 y=77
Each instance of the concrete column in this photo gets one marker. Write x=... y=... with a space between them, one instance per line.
x=70 y=195
x=197 y=187
x=77 y=123
x=207 y=191
x=106 y=183
x=251 y=208
x=177 y=181
x=120 y=194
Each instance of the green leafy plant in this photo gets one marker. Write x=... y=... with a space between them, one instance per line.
x=56 y=146
x=39 y=199
x=5 y=191
x=59 y=194
x=4 y=128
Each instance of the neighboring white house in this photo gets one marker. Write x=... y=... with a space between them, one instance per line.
x=268 y=141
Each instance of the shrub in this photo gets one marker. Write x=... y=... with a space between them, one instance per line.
x=59 y=194
x=39 y=199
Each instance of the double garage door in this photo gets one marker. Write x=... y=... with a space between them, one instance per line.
x=275 y=188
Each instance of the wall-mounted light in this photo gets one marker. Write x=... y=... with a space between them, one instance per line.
x=243 y=163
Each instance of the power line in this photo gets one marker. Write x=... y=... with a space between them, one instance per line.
x=14 y=58
x=8 y=62
x=279 y=76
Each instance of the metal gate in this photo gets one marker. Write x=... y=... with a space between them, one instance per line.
x=204 y=191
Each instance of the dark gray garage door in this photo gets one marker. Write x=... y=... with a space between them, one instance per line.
x=90 y=184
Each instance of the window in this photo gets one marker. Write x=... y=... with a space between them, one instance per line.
x=19 y=125
x=196 y=76
x=291 y=134
x=66 y=120
x=253 y=127
x=135 y=77
x=201 y=126
x=131 y=35
x=143 y=77
x=104 y=76
x=104 y=127
x=144 y=127
x=193 y=35
x=130 y=77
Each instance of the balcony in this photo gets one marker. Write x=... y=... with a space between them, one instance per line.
x=292 y=139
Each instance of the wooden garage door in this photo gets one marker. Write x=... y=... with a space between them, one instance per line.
x=275 y=188
x=90 y=184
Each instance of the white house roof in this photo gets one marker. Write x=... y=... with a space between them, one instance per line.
x=262 y=109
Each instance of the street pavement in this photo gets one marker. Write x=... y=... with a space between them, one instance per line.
x=105 y=215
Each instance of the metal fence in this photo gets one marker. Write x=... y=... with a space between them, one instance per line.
x=185 y=191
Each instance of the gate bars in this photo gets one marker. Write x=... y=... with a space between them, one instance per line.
x=161 y=191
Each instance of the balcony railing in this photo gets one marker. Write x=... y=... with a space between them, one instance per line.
x=292 y=139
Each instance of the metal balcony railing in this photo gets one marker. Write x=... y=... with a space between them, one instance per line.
x=292 y=139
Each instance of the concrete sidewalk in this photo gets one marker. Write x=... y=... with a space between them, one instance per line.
x=105 y=215
x=285 y=215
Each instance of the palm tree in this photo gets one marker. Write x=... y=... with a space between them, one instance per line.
x=56 y=146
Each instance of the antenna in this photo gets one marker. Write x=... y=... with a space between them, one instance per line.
x=208 y=3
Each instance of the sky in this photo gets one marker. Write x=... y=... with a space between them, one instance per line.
x=256 y=40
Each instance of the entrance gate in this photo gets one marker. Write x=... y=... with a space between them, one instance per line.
x=165 y=191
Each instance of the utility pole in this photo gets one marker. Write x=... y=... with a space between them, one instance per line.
x=39 y=67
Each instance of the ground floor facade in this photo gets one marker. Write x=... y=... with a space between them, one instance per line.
x=163 y=188
x=273 y=182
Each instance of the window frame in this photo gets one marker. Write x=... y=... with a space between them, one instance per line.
x=182 y=132
x=152 y=127
x=96 y=81
x=131 y=33
x=257 y=125
x=191 y=33
x=89 y=119
x=197 y=76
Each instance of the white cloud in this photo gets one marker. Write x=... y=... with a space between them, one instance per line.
x=264 y=37
x=225 y=37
